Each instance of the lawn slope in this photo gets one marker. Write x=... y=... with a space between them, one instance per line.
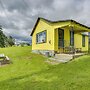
x=30 y=72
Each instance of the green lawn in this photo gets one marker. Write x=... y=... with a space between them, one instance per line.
x=30 y=72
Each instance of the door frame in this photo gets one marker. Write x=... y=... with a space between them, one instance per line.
x=62 y=40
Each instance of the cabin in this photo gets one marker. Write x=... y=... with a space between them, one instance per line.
x=65 y=36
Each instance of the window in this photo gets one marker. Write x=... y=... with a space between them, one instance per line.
x=41 y=37
x=83 y=40
x=72 y=38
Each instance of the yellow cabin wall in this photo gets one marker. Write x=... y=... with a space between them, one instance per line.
x=67 y=37
x=78 y=42
x=50 y=37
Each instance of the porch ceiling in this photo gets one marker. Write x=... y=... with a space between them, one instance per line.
x=76 y=28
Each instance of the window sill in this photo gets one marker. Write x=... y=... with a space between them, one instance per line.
x=41 y=43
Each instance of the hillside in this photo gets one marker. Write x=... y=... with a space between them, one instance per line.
x=30 y=72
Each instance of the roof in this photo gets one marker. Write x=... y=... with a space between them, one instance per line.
x=70 y=20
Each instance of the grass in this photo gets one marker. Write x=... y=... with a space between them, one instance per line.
x=30 y=72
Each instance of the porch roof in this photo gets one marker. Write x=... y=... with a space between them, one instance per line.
x=77 y=27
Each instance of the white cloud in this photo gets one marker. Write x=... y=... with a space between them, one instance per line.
x=18 y=16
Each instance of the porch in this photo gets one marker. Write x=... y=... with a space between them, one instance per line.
x=71 y=39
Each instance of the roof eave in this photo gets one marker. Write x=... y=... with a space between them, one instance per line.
x=35 y=26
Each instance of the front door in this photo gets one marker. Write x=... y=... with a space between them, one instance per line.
x=60 y=38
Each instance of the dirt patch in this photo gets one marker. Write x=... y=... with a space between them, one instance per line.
x=52 y=62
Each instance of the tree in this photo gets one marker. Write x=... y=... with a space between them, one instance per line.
x=11 y=41
x=4 y=40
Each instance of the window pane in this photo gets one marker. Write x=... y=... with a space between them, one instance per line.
x=72 y=38
x=83 y=40
x=41 y=37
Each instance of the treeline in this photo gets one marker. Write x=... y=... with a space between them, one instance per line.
x=6 y=41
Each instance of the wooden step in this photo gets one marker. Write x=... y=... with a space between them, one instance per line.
x=63 y=58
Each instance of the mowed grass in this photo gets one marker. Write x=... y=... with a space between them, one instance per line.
x=29 y=71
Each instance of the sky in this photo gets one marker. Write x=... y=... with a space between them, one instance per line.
x=18 y=17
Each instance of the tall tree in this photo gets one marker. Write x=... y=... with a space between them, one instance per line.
x=11 y=40
x=4 y=40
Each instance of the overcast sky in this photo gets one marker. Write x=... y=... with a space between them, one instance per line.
x=18 y=17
